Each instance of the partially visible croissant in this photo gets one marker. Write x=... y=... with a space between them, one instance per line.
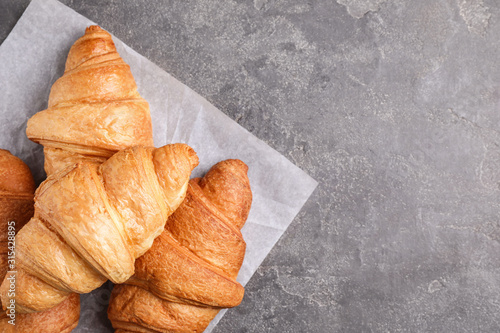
x=189 y=273
x=92 y=221
x=16 y=208
x=94 y=109
x=17 y=189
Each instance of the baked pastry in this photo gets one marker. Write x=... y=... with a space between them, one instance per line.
x=94 y=109
x=189 y=273
x=17 y=189
x=93 y=220
x=16 y=208
x=62 y=318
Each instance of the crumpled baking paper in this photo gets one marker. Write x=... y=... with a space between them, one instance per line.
x=33 y=57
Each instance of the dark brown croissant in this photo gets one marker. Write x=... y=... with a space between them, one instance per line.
x=94 y=109
x=16 y=208
x=92 y=221
x=189 y=273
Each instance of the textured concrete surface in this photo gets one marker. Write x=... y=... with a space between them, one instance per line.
x=393 y=106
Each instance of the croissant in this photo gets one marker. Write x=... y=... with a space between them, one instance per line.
x=17 y=188
x=189 y=273
x=16 y=208
x=94 y=109
x=93 y=220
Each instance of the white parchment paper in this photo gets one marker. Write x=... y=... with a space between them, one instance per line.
x=32 y=58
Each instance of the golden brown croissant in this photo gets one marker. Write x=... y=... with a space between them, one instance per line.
x=94 y=109
x=16 y=208
x=189 y=273
x=92 y=221
x=16 y=200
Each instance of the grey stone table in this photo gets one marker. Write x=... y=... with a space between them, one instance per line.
x=393 y=106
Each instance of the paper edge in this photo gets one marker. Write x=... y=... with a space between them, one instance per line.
x=311 y=182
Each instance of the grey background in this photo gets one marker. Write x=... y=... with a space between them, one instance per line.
x=393 y=107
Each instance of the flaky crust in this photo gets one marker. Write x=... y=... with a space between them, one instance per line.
x=189 y=273
x=92 y=221
x=16 y=204
x=94 y=109
x=137 y=310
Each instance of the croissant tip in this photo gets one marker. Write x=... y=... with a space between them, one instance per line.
x=93 y=28
x=192 y=156
x=235 y=164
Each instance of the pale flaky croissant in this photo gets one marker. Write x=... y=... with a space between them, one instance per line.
x=16 y=208
x=189 y=273
x=94 y=109
x=93 y=220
